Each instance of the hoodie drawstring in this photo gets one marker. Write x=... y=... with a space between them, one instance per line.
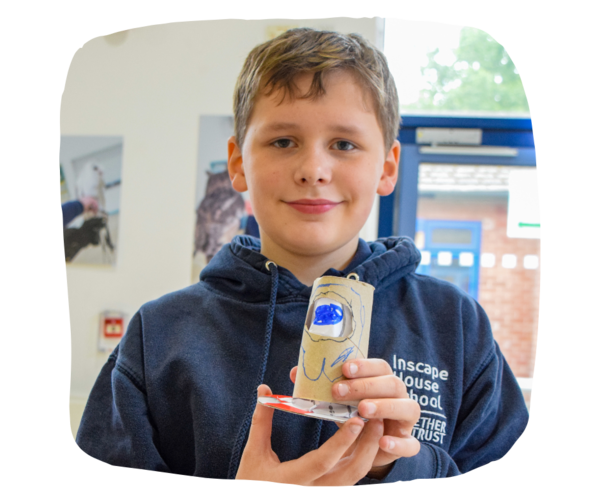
x=245 y=428
x=317 y=435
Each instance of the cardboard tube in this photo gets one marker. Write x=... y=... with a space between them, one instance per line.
x=339 y=306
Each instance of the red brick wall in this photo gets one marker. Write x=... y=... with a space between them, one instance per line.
x=537 y=313
x=510 y=297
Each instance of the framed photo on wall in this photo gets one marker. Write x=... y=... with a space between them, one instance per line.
x=90 y=168
x=221 y=212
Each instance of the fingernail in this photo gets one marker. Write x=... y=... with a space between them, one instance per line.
x=391 y=445
x=342 y=389
x=370 y=408
x=353 y=368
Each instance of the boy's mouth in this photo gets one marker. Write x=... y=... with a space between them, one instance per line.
x=312 y=205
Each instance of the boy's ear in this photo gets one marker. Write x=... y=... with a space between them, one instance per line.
x=389 y=176
x=235 y=166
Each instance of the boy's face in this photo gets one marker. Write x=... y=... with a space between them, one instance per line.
x=313 y=166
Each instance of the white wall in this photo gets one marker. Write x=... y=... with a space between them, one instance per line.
x=150 y=86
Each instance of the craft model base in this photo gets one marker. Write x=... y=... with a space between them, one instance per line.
x=311 y=408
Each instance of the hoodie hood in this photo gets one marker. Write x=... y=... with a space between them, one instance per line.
x=239 y=271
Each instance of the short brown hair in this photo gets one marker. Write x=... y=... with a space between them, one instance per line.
x=275 y=64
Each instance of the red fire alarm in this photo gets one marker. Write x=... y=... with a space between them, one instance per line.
x=112 y=328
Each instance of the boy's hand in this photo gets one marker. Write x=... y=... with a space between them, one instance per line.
x=382 y=395
x=331 y=464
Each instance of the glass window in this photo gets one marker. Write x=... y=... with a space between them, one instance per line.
x=453 y=236
x=481 y=232
x=445 y=69
x=477 y=223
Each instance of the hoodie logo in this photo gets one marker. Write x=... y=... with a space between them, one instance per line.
x=423 y=383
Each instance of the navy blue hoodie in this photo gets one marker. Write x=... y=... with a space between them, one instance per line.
x=178 y=392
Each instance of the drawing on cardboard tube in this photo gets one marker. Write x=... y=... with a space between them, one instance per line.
x=344 y=355
x=336 y=330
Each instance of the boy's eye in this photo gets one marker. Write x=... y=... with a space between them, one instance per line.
x=343 y=145
x=283 y=143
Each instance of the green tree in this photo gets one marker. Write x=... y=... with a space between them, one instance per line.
x=482 y=78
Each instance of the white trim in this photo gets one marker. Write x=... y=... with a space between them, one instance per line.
x=456 y=150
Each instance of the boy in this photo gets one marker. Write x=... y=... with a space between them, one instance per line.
x=316 y=120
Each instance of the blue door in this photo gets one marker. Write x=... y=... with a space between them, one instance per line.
x=450 y=251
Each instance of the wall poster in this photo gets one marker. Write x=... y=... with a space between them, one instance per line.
x=90 y=185
x=221 y=212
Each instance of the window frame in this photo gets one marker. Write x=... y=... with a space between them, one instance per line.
x=398 y=211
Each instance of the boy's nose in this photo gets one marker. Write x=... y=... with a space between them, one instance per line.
x=313 y=169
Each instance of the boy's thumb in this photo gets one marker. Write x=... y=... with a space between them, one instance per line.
x=259 y=436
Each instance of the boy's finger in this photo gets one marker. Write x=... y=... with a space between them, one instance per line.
x=259 y=436
x=388 y=386
x=360 y=462
x=366 y=367
x=293 y=374
x=368 y=444
x=400 y=447
x=317 y=463
x=405 y=410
